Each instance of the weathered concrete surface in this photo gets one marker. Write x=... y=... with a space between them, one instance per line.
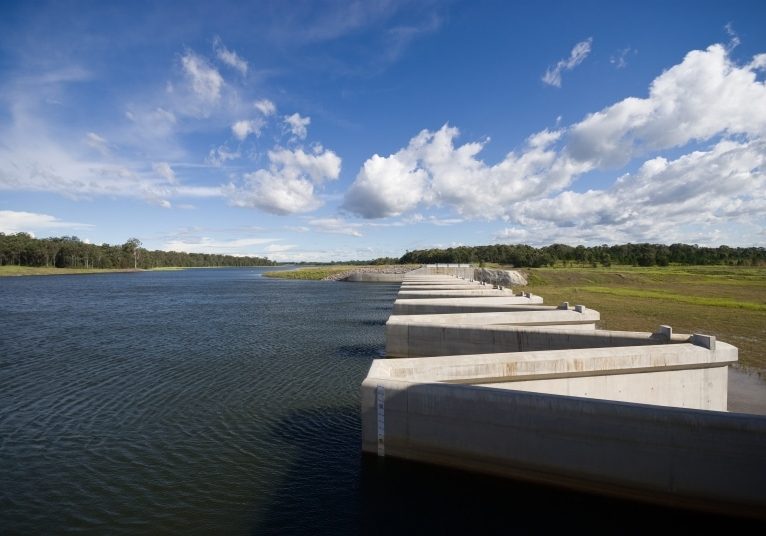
x=404 y=339
x=424 y=340
x=625 y=413
x=441 y=286
x=529 y=317
x=681 y=375
x=677 y=456
x=747 y=392
x=467 y=305
x=467 y=293
x=373 y=277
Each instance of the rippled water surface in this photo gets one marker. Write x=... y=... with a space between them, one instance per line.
x=217 y=401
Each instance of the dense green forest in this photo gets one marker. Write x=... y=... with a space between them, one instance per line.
x=71 y=252
x=630 y=254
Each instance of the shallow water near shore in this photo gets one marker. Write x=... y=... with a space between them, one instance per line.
x=220 y=401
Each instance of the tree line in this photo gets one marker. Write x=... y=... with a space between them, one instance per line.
x=522 y=255
x=70 y=252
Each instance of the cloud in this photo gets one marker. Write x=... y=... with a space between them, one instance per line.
x=431 y=170
x=580 y=51
x=336 y=226
x=289 y=184
x=28 y=222
x=98 y=143
x=229 y=57
x=734 y=40
x=238 y=247
x=662 y=200
x=164 y=170
x=266 y=107
x=703 y=96
x=512 y=234
x=204 y=80
x=619 y=58
x=31 y=162
x=297 y=125
x=706 y=97
x=279 y=248
x=242 y=129
x=220 y=155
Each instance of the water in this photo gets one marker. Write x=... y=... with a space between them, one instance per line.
x=219 y=401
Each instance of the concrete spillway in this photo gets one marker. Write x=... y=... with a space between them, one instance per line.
x=537 y=392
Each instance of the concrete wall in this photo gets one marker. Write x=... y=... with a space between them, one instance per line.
x=681 y=375
x=422 y=340
x=467 y=305
x=528 y=317
x=373 y=277
x=511 y=392
x=676 y=456
x=467 y=293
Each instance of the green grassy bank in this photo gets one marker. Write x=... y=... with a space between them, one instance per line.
x=313 y=273
x=10 y=271
x=728 y=302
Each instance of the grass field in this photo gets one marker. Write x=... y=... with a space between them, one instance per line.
x=728 y=302
x=313 y=273
x=31 y=270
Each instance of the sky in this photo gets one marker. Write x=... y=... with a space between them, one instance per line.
x=331 y=130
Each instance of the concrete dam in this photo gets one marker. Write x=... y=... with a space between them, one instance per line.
x=481 y=379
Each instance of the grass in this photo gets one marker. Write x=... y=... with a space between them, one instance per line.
x=9 y=271
x=728 y=302
x=316 y=273
x=313 y=273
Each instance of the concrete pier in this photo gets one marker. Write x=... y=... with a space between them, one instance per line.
x=467 y=305
x=489 y=381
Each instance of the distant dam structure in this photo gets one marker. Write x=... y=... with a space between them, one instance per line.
x=480 y=378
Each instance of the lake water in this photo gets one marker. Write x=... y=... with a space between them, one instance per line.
x=220 y=401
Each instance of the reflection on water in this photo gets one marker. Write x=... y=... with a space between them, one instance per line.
x=218 y=401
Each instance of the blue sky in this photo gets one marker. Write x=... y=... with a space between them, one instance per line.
x=353 y=130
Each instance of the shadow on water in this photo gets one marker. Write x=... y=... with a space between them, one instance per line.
x=375 y=322
x=360 y=351
x=317 y=495
x=349 y=493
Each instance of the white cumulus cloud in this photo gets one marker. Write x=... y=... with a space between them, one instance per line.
x=433 y=171
x=265 y=106
x=290 y=183
x=723 y=185
x=705 y=95
x=242 y=129
x=297 y=125
x=708 y=104
x=580 y=51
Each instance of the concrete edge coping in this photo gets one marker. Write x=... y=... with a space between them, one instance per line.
x=498 y=317
x=525 y=366
x=532 y=299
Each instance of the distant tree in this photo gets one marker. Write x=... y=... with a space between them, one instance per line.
x=131 y=248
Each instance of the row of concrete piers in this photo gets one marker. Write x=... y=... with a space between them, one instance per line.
x=485 y=379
